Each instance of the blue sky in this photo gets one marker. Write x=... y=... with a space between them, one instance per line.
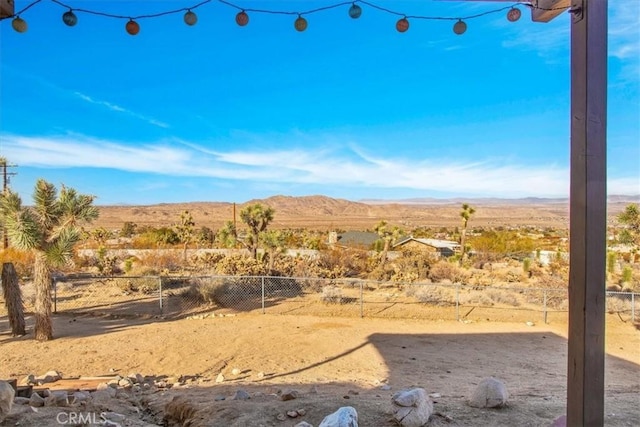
x=350 y=108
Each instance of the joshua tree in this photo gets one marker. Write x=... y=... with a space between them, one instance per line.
x=257 y=217
x=465 y=214
x=388 y=236
x=274 y=242
x=228 y=235
x=13 y=299
x=50 y=228
x=631 y=218
x=185 y=232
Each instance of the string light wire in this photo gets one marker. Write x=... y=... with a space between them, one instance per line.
x=282 y=12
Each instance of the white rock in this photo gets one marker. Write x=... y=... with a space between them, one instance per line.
x=7 y=393
x=490 y=393
x=236 y=371
x=412 y=407
x=303 y=424
x=220 y=378
x=343 y=417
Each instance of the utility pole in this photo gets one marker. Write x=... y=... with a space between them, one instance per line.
x=5 y=186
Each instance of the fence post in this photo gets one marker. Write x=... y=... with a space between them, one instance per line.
x=633 y=307
x=54 y=282
x=263 y=312
x=361 y=301
x=160 y=289
x=458 y=302
x=544 y=305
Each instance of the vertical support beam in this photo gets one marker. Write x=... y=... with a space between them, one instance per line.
x=588 y=206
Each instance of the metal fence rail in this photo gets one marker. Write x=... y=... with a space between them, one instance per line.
x=175 y=297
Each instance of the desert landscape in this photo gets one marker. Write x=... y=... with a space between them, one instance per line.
x=326 y=213
x=220 y=366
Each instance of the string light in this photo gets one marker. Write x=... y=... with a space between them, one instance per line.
x=402 y=25
x=300 y=24
x=242 y=18
x=459 y=27
x=355 y=11
x=69 y=18
x=132 y=27
x=514 y=14
x=190 y=18
x=19 y=24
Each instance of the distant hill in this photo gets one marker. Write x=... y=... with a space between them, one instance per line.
x=326 y=213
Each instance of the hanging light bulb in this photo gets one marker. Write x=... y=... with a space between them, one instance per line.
x=355 y=11
x=402 y=25
x=190 y=18
x=459 y=27
x=19 y=24
x=514 y=14
x=300 y=24
x=69 y=18
x=242 y=18
x=132 y=27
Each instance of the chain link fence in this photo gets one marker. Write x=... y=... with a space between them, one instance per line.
x=176 y=297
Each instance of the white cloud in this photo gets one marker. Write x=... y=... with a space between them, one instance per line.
x=119 y=109
x=326 y=167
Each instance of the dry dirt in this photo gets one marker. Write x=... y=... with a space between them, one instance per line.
x=330 y=361
x=325 y=213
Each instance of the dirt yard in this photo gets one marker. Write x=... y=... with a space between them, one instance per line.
x=330 y=361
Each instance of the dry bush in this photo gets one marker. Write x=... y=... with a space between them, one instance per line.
x=502 y=297
x=336 y=263
x=332 y=295
x=507 y=275
x=203 y=291
x=239 y=265
x=443 y=271
x=206 y=260
x=160 y=260
x=22 y=261
x=432 y=294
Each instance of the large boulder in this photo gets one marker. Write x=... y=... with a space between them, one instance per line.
x=490 y=393
x=412 y=407
x=7 y=393
x=343 y=417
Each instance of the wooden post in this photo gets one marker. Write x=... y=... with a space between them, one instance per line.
x=588 y=207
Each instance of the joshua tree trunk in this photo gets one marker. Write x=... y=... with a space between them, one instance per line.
x=42 y=309
x=13 y=299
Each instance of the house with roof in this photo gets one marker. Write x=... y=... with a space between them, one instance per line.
x=434 y=247
x=353 y=239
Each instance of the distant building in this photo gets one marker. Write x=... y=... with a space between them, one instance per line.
x=353 y=239
x=434 y=247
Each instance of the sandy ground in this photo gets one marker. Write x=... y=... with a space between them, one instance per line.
x=330 y=361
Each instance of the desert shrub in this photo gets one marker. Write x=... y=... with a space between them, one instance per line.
x=332 y=295
x=476 y=297
x=22 y=260
x=618 y=304
x=143 y=285
x=443 y=271
x=240 y=265
x=203 y=291
x=410 y=267
x=432 y=294
x=206 y=260
x=161 y=260
x=335 y=263
x=503 y=297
